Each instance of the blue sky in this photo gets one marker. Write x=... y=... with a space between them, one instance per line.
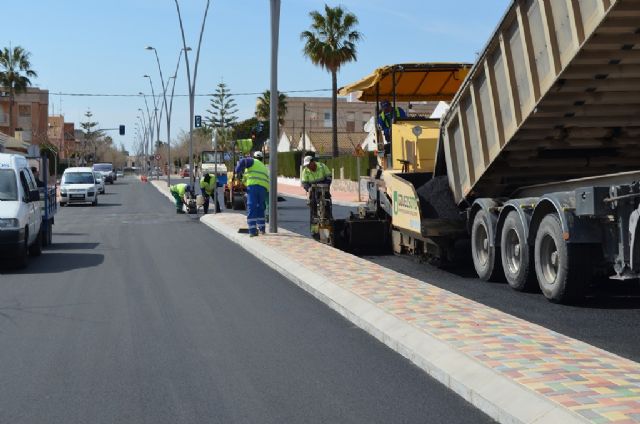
x=94 y=46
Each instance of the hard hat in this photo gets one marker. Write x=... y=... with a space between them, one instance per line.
x=307 y=160
x=258 y=154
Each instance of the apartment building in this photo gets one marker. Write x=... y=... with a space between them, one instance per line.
x=30 y=115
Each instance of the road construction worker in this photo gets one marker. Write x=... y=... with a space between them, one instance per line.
x=178 y=192
x=257 y=177
x=208 y=186
x=386 y=118
x=314 y=173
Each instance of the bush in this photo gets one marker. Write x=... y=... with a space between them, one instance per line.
x=350 y=166
x=289 y=164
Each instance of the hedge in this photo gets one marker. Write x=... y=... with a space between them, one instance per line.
x=289 y=165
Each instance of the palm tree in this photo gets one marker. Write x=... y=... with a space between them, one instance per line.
x=330 y=43
x=263 y=107
x=15 y=71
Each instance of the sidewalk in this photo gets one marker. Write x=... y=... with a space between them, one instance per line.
x=514 y=371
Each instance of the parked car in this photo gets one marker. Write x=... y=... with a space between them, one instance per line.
x=184 y=172
x=119 y=174
x=106 y=169
x=78 y=185
x=20 y=213
x=99 y=182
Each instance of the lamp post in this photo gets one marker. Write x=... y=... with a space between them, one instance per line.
x=156 y=119
x=192 y=84
x=273 y=127
x=168 y=106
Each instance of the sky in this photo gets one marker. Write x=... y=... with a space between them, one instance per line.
x=98 y=47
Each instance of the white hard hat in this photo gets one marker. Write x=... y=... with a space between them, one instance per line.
x=258 y=154
x=307 y=160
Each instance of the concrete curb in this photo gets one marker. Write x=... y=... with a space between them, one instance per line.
x=497 y=396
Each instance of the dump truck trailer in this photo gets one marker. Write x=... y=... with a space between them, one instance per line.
x=539 y=153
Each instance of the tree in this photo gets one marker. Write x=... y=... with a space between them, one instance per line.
x=330 y=43
x=222 y=113
x=15 y=74
x=263 y=107
x=92 y=136
x=254 y=129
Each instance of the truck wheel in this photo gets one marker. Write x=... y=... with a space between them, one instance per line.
x=36 y=248
x=486 y=260
x=517 y=258
x=563 y=270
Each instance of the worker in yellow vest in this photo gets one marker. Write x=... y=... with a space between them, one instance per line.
x=178 y=192
x=208 y=186
x=257 y=177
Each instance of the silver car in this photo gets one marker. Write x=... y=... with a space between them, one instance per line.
x=99 y=181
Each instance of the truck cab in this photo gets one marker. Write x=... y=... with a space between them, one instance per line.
x=20 y=212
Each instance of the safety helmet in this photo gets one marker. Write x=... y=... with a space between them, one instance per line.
x=307 y=160
x=258 y=154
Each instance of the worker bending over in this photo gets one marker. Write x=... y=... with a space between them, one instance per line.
x=257 y=181
x=178 y=192
x=208 y=186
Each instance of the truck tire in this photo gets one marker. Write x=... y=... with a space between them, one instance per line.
x=36 y=248
x=564 y=270
x=486 y=258
x=517 y=255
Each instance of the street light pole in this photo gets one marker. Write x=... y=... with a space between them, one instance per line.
x=156 y=119
x=273 y=127
x=167 y=107
x=192 y=84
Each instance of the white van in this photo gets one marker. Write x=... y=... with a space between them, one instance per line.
x=20 y=214
x=78 y=185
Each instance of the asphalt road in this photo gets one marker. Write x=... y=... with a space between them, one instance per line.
x=139 y=315
x=608 y=318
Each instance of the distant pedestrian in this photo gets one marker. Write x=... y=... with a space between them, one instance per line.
x=178 y=191
x=257 y=181
x=36 y=175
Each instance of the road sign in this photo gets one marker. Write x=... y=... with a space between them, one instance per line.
x=198 y=121
x=157 y=157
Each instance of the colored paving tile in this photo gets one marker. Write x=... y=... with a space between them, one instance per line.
x=599 y=386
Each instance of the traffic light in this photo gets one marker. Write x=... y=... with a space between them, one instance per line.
x=198 y=121
x=121 y=129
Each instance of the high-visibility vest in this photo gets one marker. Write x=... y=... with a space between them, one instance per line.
x=384 y=118
x=257 y=174
x=322 y=171
x=210 y=186
x=179 y=189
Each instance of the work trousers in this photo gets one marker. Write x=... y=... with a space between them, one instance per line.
x=179 y=202
x=256 y=200
x=206 y=197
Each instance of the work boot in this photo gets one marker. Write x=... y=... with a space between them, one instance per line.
x=253 y=235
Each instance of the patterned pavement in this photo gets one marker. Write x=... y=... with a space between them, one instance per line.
x=598 y=386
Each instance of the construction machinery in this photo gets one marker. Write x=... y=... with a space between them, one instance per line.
x=536 y=161
x=235 y=190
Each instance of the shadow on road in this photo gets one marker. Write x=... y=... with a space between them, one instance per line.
x=72 y=246
x=55 y=262
x=107 y=205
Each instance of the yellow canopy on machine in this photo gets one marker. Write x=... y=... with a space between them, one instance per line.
x=413 y=82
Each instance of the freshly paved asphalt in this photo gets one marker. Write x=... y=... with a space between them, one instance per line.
x=139 y=315
x=608 y=318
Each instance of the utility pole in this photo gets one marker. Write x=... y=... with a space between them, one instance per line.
x=273 y=128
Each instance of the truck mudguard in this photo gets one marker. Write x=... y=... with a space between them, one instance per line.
x=575 y=229
x=491 y=206
x=524 y=208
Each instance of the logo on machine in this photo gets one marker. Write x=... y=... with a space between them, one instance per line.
x=408 y=204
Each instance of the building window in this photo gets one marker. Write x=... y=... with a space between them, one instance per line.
x=327 y=118
x=24 y=111
x=365 y=118
x=351 y=121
